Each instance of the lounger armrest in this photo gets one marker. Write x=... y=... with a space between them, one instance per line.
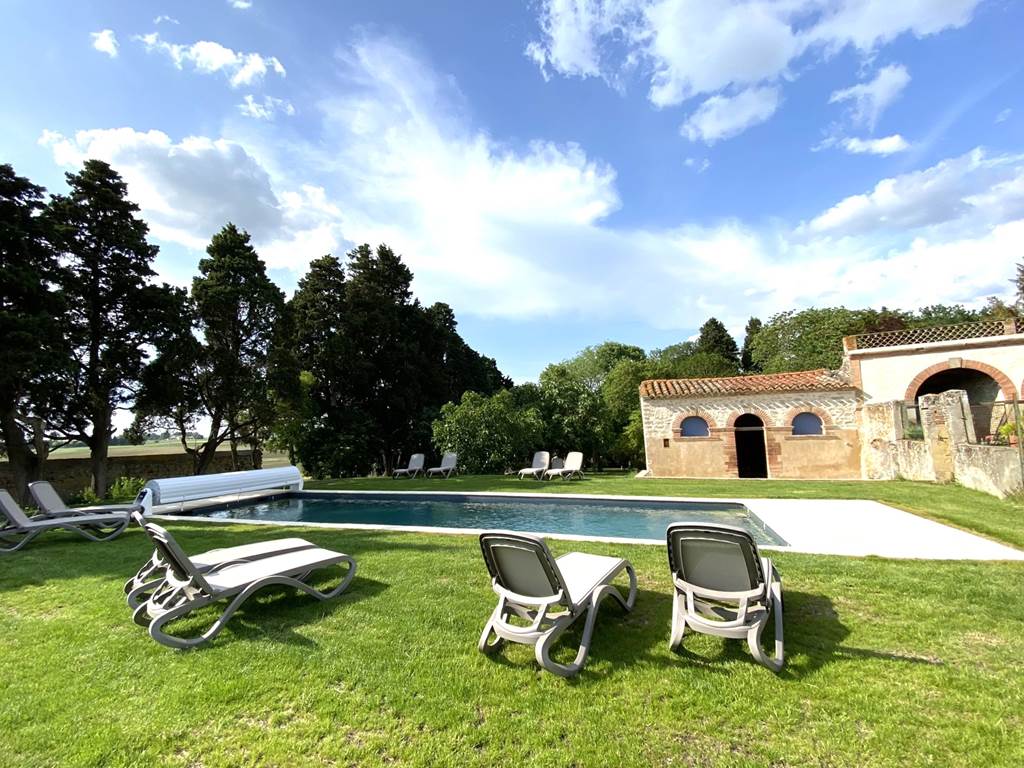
x=742 y=599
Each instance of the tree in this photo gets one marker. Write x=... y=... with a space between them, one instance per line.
x=746 y=355
x=715 y=339
x=112 y=311
x=490 y=434
x=225 y=374
x=573 y=414
x=593 y=364
x=32 y=375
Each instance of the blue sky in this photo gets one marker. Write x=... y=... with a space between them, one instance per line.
x=561 y=172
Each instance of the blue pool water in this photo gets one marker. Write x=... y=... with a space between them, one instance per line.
x=544 y=514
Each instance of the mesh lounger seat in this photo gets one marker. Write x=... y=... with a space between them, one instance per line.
x=19 y=529
x=52 y=505
x=414 y=468
x=541 y=460
x=573 y=467
x=448 y=462
x=548 y=594
x=723 y=587
x=151 y=575
x=185 y=588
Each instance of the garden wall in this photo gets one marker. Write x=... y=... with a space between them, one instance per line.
x=71 y=476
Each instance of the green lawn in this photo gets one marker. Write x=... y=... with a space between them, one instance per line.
x=889 y=663
x=952 y=504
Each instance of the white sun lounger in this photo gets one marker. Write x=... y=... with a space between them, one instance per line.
x=52 y=505
x=448 y=462
x=573 y=467
x=414 y=468
x=19 y=529
x=151 y=576
x=724 y=587
x=541 y=459
x=186 y=589
x=546 y=595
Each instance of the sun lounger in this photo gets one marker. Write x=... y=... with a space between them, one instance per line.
x=536 y=470
x=52 y=505
x=546 y=595
x=19 y=529
x=448 y=462
x=724 y=587
x=151 y=576
x=414 y=468
x=573 y=467
x=185 y=589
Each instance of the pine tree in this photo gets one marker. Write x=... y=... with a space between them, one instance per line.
x=746 y=356
x=715 y=339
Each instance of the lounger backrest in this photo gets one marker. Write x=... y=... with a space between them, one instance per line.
x=574 y=461
x=46 y=496
x=448 y=460
x=719 y=557
x=180 y=565
x=416 y=461
x=541 y=459
x=557 y=463
x=11 y=510
x=522 y=564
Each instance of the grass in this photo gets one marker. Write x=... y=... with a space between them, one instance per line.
x=889 y=662
x=952 y=504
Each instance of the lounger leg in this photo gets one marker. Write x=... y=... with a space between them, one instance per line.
x=678 y=621
x=19 y=540
x=485 y=645
x=754 y=636
x=100 y=535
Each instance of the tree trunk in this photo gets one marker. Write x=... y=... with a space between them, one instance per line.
x=26 y=466
x=99 y=447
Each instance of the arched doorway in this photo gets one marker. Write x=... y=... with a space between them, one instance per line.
x=751 y=458
x=981 y=388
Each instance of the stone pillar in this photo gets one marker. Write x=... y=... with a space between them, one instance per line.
x=880 y=425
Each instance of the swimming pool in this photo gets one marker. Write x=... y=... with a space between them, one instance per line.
x=601 y=517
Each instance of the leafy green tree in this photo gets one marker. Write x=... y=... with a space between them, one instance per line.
x=31 y=302
x=573 y=414
x=714 y=339
x=490 y=434
x=746 y=355
x=942 y=314
x=113 y=312
x=593 y=364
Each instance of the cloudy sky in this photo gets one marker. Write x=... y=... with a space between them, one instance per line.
x=560 y=171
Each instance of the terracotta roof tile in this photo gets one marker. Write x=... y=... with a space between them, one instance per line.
x=821 y=380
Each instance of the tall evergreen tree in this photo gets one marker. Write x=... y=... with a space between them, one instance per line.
x=112 y=313
x=30 y=304
x=746 y=355
x=716 y=340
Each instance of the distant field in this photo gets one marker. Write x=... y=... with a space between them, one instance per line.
x=270 y=459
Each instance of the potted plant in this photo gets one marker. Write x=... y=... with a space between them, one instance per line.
x=1009 y=432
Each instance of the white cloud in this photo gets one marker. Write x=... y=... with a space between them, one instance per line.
x=686 y=48
x=242 y=5
x=525 y=230
x=105 y=41
x=1004 y=115
x=266 y=109
x=887 y=145
x=164 y=19
x=722 y=117
x=207 y=57
x=698 y=165
x=869 y=100
x=186 y=190
x=973 y=185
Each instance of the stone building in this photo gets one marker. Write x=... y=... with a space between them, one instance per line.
x=833 y=424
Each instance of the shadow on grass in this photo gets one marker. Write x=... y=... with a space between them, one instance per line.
x=274 y=614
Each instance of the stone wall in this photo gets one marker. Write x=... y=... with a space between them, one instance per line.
x=71 y=476
x=993 y=469
x=835 y=454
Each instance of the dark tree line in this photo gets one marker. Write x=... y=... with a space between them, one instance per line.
x=346 y=376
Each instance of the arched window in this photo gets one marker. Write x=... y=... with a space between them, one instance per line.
x=807 y=424
x=694 y=426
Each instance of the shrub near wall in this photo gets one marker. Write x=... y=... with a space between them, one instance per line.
x=71 y=476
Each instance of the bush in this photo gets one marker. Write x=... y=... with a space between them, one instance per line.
x=490 y=434
x=123 y=489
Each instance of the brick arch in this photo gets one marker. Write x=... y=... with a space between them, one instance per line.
x=1005 y=385
x=677 y=421
x=821 y=413
x=752 y=409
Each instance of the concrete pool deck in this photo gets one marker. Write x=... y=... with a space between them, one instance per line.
x=856 y=528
